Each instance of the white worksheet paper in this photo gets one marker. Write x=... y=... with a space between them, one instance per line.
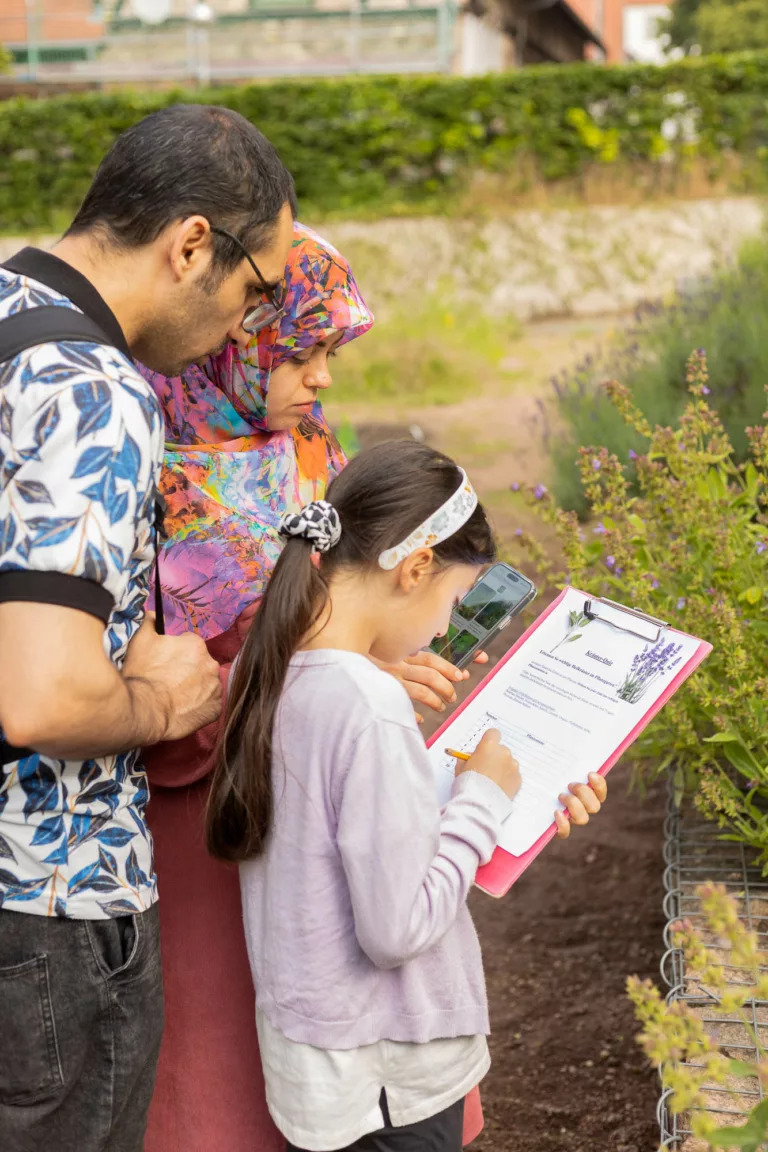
x=564 y=702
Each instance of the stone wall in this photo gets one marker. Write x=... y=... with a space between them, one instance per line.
x=590 y=262
x=536 y=264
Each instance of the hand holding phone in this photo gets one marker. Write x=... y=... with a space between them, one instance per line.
x=488 y=607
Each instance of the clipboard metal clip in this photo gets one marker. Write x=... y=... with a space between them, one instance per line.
x=639 y=624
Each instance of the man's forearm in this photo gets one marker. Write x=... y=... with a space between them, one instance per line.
x=61 y=695
x=124 y=713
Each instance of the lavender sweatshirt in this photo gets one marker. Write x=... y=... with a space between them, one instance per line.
x=355 y=916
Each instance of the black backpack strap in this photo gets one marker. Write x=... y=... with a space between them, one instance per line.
x=160 y=507
x=49 y=324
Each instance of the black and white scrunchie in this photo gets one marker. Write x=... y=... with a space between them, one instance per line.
x=318 y=522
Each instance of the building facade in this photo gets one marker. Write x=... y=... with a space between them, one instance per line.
x=629 y=29
x=497 y=34
x=80 y=43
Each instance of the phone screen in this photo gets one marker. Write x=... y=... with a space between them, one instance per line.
x=493 y=601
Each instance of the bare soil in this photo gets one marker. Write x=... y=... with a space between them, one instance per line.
x=567 y=1074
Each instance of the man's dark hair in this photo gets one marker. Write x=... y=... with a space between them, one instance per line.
x=181 y=161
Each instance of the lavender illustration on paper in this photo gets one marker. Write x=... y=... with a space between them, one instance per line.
x=577 y=622
x=647 y=667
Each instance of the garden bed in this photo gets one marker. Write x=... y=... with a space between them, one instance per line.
x=694 y=854
x=568 y=1074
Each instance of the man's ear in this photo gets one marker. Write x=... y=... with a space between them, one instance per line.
x=191 y=247
x=415 y=569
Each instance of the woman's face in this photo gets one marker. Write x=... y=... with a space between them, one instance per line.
x=295 y=385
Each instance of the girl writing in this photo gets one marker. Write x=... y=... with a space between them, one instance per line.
x=371 y=1004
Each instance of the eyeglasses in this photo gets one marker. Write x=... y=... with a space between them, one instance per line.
x=265 y=313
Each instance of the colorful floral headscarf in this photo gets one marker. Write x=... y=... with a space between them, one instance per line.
x=226 y=479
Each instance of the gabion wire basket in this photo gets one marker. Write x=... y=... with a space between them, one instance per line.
x=693 y=854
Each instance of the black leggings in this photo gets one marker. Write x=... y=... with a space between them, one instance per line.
x=440 y=1133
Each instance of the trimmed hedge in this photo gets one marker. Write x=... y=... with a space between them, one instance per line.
x=388 y=143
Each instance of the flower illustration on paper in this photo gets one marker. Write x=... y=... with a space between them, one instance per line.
x=646 y=668
x=577 y=622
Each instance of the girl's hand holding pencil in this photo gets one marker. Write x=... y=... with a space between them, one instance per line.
x=581 y=800
x=492 y=759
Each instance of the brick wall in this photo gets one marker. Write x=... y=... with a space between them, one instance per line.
x=56 y=21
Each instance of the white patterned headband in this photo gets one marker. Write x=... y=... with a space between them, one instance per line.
x=440 y=525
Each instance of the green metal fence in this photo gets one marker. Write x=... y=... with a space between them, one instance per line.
x=266 y=38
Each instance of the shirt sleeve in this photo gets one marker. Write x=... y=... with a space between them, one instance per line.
x=409 y=866
x=79 y=481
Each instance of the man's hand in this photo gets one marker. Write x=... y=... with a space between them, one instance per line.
x=75 y=704
x=181 y=671
x=428 y=679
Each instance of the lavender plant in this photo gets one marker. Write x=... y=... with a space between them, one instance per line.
x=728 y=313
x=646 y=668
x=684 y=537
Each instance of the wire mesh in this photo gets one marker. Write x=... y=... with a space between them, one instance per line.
x=694 y=854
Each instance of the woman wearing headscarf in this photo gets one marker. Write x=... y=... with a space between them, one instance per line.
x=246 y=441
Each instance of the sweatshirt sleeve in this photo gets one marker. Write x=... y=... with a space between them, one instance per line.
x=409 y=865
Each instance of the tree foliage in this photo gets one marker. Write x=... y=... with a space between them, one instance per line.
x=712 y=26
x=732 y=25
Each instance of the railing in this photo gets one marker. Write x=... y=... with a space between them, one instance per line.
x=277 y=38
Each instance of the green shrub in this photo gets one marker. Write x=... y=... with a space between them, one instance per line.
x=391 y=143
x=691 y=548
x=728 y=318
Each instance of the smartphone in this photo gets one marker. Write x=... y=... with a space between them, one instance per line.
x=487 y=608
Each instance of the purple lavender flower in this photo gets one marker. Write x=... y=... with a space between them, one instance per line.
x=632 y=454
x=610 y=561
x=654 y=583
x=681 y=603
x=540 y=491
x=654 y=661
x=515 y=487
x=618 y=571
x=705 y=391
x=596 y=465
x=600 y=529
x=518 y=531
x=760 y=547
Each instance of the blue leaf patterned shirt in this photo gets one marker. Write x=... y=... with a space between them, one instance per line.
x=81 y=439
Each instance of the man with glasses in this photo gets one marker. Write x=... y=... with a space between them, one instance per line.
x=268 y=310
x=178 y=248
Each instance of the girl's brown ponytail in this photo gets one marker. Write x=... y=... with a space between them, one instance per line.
x=240 y=803
x=380 y=498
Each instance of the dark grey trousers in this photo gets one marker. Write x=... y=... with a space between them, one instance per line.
x=440 y=1133
x=81 y=1019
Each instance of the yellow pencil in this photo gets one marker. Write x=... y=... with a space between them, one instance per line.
x=455 y=754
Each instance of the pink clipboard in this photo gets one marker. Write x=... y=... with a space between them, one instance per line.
x=498 y=876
